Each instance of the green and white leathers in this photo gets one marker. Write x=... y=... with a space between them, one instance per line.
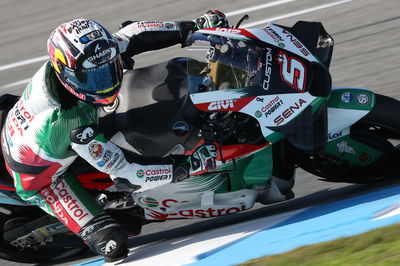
x=36 y=144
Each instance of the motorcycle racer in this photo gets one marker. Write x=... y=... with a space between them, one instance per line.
x=56 y=120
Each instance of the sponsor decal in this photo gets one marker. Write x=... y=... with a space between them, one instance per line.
x=150 y=202
x=93 y=35
x=106 y=158
x=109 y=247
x=363 y=98
x=157 y=178
x=155 y=24
x=113 y=161
x=332 y=136
x=293 y=71
x=55 y=204
x=101 y=57
x=180 y=128
x=346 y=97
x=97 y=48
x=85 y=134
x=76 y=94
x=166 y=171
x=234 y=31
x=258 y=114
x=268 y=69
x=273 y=105
x=190 y=213
x=19 y=120
x=140 y=173
x=289 y=111
x=209 y=212
x=281 y=45
x=95 y=150
x=158 y=174
x=169 y=25
x=64 y=204
x=165 y=202
x=197 y=213
x=78 y=26
x=235 y=104
x=273 y=34
x=364 y=157
x=218 y=105
x=108 y=90
x=343 y=147
x=296 y=42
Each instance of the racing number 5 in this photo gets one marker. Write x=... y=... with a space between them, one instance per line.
x=293 y=71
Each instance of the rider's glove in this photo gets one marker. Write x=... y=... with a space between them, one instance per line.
x=199 y=162
x=212 y=19
x=202 y=159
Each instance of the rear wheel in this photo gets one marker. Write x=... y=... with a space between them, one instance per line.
x=11 y=217
x=380 y=129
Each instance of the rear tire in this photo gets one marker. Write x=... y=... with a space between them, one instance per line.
x=377 y=129
x=29 y=255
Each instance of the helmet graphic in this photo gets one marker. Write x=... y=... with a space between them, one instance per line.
x=212 y=19
x=86 y=60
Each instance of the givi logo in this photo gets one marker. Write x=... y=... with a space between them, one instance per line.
x=218 y=105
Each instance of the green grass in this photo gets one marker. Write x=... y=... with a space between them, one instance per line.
x=376 y=247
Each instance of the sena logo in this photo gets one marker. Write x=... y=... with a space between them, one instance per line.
x=218 y=105
x=289 y=112
x=296 y=43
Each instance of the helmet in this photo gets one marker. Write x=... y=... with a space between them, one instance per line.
x=86 y=60
x=212 y=19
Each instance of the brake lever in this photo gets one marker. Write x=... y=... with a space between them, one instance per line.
x=245 y=17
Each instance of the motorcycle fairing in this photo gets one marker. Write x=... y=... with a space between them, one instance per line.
x=346 y=106
x=352 y=151
x=222 y=193
x=208 y=204
x=293 y=80
x=306 y=39
x=345 y=109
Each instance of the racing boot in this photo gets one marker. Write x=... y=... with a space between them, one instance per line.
x=106 y=237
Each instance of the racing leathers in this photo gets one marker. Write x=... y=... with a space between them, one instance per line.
x=48 y=128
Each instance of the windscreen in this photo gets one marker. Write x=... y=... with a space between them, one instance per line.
x=220 y=63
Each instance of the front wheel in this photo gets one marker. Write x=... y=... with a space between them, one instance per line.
x=379 y=130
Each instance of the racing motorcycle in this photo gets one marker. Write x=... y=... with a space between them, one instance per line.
x=263 y=96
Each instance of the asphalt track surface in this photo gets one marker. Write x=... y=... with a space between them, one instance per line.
x=366 y=54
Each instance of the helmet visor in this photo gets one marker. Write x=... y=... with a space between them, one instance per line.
x=100 y=82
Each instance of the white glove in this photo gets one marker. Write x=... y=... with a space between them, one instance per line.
x=202 y=159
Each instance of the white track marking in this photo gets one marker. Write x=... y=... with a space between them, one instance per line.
x=297 y=13
x=233 y=13
x=21 y=82
x=24 y=62
x=258 y=7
